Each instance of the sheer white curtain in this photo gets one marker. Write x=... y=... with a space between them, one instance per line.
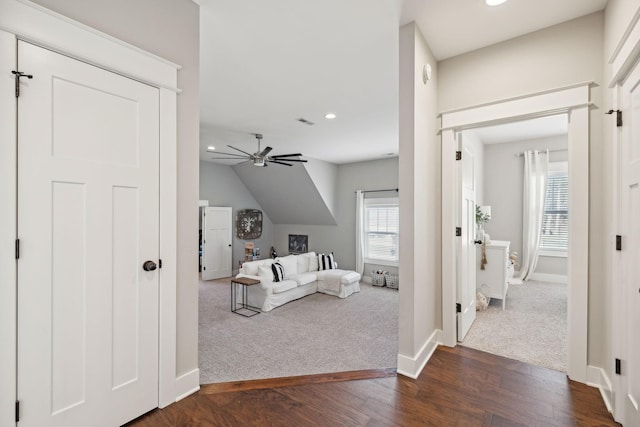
x=360 y=231
x=536 y=164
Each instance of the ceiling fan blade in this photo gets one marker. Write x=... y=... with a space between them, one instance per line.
x=227 y=154
x=280 y=163
x=237 y=149
x=289 y=160
x=287 y=155
x=266 y=151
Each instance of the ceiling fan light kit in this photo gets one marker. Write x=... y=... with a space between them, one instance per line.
x=260 y=158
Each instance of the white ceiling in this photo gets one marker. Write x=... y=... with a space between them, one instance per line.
x=265 y=64
x=526 y=129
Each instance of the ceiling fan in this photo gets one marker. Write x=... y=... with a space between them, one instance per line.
x=259 y=158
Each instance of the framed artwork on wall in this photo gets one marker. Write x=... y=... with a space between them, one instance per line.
x=298 y=243
x=249 y=224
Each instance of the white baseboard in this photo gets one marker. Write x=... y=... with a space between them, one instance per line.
x=412 y=366
x=187 y=384
x=367 y=279
x=597 y=377
x=553 y=278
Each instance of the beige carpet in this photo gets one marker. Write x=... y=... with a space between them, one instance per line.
x=532 y=329
x=315 y=334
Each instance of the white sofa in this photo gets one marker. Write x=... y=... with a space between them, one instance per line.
x=301 y=278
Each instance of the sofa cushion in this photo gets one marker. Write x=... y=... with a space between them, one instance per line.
x=284 y=286
x=349 y=277
x=326 y=262
x=304 y=278
x=313 y=261
x=278 y=272
x=265 y=274
x=303 y=263
x=290 y=264
x=251 y=267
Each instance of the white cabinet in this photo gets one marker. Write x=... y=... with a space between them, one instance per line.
x=493 y=281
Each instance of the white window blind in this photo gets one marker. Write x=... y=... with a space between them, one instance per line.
x=382 y=227
x=555 y=221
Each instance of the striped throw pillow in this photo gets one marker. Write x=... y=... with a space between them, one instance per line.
x=326 y=262
x=278 y=272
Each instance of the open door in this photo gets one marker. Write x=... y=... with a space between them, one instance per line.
x=465 y=245
x=216 y=243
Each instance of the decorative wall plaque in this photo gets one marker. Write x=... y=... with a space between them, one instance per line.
x=249 y=224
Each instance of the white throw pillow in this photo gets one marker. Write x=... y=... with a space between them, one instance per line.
x=303 y=263
x=251 y=268
x=313 y=261
x=290 y=264
x=265 y=274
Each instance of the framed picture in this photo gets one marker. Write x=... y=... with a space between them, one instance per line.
x=249 y=224
x=298 y=243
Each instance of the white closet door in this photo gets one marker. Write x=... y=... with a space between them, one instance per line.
x=216 y=245
x=88 y=196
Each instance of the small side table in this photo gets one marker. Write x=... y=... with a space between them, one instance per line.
x=245 y=282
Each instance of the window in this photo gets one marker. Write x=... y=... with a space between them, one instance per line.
x=555 y=220
x=381 y=230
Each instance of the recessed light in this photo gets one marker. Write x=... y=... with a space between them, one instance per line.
x=211 y=147
x=330 y=116
x=494 y=2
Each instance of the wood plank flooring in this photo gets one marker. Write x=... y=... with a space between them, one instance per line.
x=458 y=387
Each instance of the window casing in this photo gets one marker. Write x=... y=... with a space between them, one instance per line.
x=554 y=239
x=381 y=231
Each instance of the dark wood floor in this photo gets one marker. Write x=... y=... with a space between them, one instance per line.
x=458 y=387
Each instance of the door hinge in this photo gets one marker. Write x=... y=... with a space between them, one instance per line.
x=458 y=308
x=618 y=116
x=618 y=367
x=17 y=410
x=458 y=231
x=17 y=248
x=458 y=155
x=17 y=75
x=618 y=242
x=159 y=263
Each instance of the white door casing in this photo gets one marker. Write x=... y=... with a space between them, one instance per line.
x=88 y=209
x=466 y=277
x=628 y=302
x=575 y=101
x=216 y=245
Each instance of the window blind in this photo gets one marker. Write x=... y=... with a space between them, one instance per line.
x=382 y=226
x=555 y=221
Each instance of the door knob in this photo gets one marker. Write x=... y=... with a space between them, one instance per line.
x=149 y=266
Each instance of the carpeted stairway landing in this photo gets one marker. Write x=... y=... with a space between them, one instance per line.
x=315 y=334
x=532 y=329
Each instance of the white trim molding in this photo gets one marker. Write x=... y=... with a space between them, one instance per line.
x=411 y=366
x=597 y=377
x=24 y=20
x=575 y=101
x=625 y=54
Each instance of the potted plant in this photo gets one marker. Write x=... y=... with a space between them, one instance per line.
x=483 y=215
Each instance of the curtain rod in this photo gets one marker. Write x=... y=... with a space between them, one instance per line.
x=551 y=151
x=378 y=191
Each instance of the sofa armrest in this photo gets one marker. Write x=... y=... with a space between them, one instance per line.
x=264 y=283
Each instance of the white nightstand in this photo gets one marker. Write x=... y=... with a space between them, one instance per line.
x=493 y=281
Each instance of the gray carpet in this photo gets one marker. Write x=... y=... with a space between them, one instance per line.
x=532 y=329
x=316 y=334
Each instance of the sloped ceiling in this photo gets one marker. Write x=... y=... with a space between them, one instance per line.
x=288 y=195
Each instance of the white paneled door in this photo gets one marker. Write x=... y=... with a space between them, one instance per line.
x=88 y=208
x=629 y=311
x=216 y=245
x=466 y=250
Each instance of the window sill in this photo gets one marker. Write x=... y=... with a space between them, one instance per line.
x=382 y=262
x=553 y=254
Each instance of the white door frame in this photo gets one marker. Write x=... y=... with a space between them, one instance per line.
x=24 y=20
x=575 y=101
x=621 y=63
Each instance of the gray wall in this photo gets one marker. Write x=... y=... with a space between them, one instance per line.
x=220 y=185
x=340 y=239
x=503 y=189
x=557 y=56
x=170 y=29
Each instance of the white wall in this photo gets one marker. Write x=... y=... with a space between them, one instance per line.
x=220 y=185
x=503 y=192
x=557 y=56
x=169 y=29
x=340 y=239
x=420 y=200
